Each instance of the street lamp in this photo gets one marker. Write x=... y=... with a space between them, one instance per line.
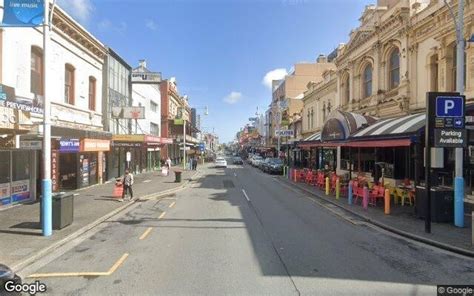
x=459 y=179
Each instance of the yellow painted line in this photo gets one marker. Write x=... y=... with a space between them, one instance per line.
x=145 y=234
x=117 y=264
x=162 y=215
x=172 y=204
x=76 y=274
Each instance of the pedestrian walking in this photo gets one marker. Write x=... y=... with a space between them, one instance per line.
x=168 y=164
x=127 y=184
x=195 y=163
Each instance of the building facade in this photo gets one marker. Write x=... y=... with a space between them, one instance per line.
x=76 y=60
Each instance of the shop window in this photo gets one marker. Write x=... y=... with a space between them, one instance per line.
x=69 y=84
x=4 y=163
x=367 y=81
x=92 y=93
x=394 y=74
x=21 y=165
x=36 y=73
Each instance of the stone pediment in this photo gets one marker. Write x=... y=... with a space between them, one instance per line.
x=358 y=38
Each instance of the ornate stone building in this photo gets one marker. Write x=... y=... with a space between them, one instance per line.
x=400 y=51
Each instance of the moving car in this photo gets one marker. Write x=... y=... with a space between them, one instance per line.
x=237 y=160
x=220 y=162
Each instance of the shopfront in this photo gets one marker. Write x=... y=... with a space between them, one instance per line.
x=128 y=152
x=153 y=149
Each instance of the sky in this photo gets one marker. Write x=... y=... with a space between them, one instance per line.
x=223 y=53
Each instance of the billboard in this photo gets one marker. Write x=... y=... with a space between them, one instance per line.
x=128 y=112
x=23 y=13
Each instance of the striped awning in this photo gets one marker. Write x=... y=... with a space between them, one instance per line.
x=313 y=137
x=393 y=127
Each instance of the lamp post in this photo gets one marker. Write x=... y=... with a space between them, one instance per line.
x=459 y=152
x=46 y=186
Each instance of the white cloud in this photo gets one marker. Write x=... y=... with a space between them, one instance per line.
x=276 y=74
x=233 y=97
x=79 y=9
x=150 y=24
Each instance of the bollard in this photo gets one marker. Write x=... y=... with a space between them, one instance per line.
x=365 y=199
x=327 y=185
x=295 y=172
x=338 y=188
x=349 y=193
x=459 y=202
x=387 y=202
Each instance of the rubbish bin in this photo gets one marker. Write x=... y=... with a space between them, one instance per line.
x=63 y=210
x=442 y=203
x=177 y=175
x=7 y=275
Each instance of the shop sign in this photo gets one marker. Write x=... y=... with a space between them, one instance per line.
x=69 y=145
x=152 y=139
x=4 y=194
x=126 y=144
x=179 y=121
x=128 y=112
x=450 y=138
x=284 y=133
x=55 y=169
x=166 y=140
x=93 y=145
x=31 y=145
x=128 y=138
x=20 y=190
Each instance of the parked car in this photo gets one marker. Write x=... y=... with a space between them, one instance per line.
x=275 y=166
x=257 y=160
x=220 y=162
x=7 y=275
x=264 y=164
x=237 y=160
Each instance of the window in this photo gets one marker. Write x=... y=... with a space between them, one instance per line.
x=312 y=118
x=92 y=90
x=368 y=81
x=69 y=84
x=394 y=74
x=324 y=112
x=153 y=106
x=36 y=73
x=308 y=119
x=154 y=129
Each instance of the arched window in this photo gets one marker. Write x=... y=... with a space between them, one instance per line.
x=69 y=84
x=36 y=73
x=394 y=68
x=368 y=81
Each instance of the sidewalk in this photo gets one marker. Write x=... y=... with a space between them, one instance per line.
x=403 y=221
x=20 y=231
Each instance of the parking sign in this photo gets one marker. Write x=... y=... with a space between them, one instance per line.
x=449 y=106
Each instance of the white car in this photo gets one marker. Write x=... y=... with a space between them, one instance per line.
x=220 y=162
x=257 y=160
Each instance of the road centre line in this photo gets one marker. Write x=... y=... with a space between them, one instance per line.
x=146 y=233
x=76 y=274
x=235 y=175
x=172 y=204
x=162 y=215
x=246 y=196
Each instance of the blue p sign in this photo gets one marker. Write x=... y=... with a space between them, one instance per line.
x=449 y=106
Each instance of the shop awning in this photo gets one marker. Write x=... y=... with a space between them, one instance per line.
x=314 y=137
x=393 y=127
x=380 y=143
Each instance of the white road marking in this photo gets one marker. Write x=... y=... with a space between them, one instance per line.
x=146 y=181
x=235 y=175
x=246 y=196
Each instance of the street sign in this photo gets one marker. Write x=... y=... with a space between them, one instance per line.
x=129 y=156
x=450 y=138
x=447 y=106
x=284 y=133
x=179 y=121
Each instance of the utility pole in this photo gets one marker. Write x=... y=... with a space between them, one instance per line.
x=46 y=186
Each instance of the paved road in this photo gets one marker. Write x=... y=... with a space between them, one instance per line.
x=240 y=232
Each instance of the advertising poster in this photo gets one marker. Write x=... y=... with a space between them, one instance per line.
x=20 y=190
x=85 y=172
x=4 y=194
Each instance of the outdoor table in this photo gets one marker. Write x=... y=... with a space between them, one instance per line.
x=407 y=190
